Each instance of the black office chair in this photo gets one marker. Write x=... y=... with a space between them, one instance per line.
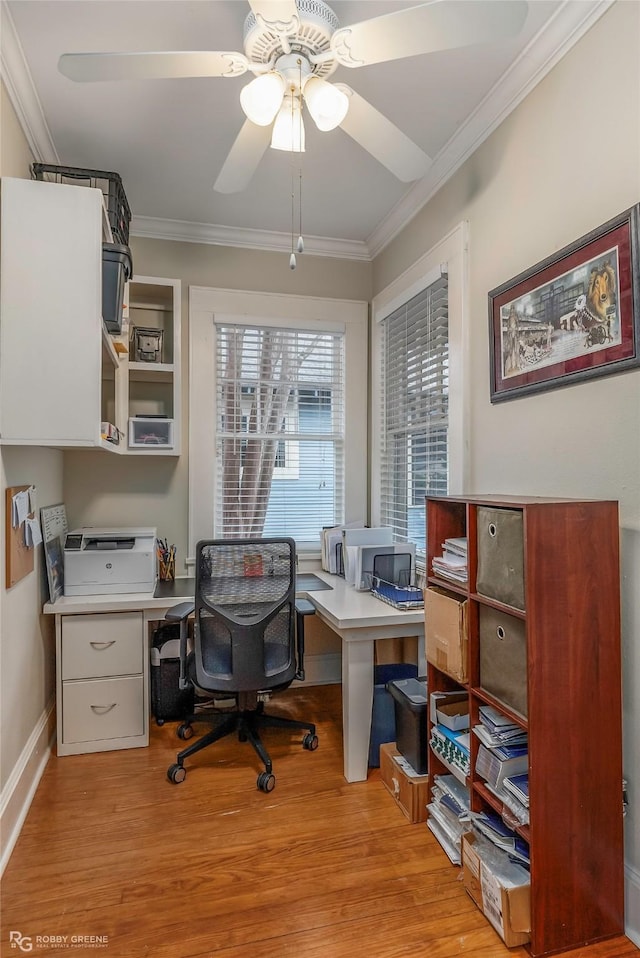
x=244 y=642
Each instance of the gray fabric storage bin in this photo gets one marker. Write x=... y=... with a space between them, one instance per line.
x=503 y=658
x=500 y=572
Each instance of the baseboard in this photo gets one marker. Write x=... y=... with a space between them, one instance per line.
x=632 y=904
x=21 y=786
x=323 y=669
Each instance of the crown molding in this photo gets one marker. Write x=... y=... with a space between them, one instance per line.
x=570 y=22
x=186 y=232
x=554 y=40
x=22 y=92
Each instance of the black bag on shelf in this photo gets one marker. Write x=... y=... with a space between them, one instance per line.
x=168 y=700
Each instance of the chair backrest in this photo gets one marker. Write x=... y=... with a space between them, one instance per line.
x=244 y=637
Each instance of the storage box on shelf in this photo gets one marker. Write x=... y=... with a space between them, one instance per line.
x=115 y=199
x=542 y=595
x=152 y=394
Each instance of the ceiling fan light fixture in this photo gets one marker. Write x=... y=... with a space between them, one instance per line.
x=262 y=98
x=288 y=129
x=326 y=103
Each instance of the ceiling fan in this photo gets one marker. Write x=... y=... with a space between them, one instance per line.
x=291 y=47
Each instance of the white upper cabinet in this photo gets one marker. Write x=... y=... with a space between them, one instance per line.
x=58 y=366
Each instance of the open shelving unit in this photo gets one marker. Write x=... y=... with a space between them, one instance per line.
x=570 y=681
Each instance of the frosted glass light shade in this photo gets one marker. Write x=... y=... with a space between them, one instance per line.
x=262 y=98
x=326 y=103
x=288 y=130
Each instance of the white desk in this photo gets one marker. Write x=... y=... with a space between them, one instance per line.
x=357 y=617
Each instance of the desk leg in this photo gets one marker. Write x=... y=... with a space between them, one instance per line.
x=357 y=703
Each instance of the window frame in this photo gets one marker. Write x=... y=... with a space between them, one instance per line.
x=281 y=310
x=451 y=253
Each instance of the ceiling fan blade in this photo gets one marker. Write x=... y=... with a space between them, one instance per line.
x=280 y=15
x=439 y=25
x=378 y=135
x=243 y=159
x=171 y=64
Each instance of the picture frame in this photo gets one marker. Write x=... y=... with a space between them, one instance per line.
x=572 y=317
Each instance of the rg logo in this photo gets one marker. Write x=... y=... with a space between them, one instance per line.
x=23 y=942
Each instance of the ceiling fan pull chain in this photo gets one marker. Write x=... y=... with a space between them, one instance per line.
x=292 y=258
x=300 y=240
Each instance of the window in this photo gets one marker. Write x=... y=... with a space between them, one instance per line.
x=415 y=378
x=280 y=431
x=418 y=391
x=277 y=429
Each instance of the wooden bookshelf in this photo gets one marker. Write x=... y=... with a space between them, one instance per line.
x=571 y=675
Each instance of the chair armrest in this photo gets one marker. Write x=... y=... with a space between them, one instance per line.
x=179 y=612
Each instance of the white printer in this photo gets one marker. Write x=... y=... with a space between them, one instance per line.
x=102 y=561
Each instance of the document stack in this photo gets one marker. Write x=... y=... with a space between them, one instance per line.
x=449 y=814
x=518 y=785
x=452 y=564
x=503 y=755
x=492 y=827
x=453 y=750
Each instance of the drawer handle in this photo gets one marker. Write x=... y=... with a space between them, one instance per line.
x=396 y=786
x=101 y=646
x=103 y=709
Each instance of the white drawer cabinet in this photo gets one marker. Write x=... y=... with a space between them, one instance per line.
x=102 y=682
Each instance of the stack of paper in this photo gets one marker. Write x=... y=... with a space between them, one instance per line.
x=449 y=814
x=495 y=769
x=496 y=729
x=519 y=786
x=452 y=564
x=492 y=827
x=331 y=547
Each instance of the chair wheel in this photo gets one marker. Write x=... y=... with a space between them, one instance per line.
x=176 y=774
x=266 y=782
x=184 y=731
x=310 y=742
x=159 y=721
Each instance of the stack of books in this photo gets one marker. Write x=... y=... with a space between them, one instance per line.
x=449 y=814
x=453 y=750
x=452 y=564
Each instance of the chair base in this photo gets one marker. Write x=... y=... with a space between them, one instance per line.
x=247 y=723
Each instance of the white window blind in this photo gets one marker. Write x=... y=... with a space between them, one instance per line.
x=279 y=431
x=414 y=426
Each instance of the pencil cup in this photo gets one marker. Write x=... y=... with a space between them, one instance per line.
x=167 y=569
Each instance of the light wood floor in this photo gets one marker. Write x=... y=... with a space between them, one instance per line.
x=212 y=867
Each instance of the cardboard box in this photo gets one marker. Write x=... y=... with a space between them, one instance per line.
x=506 y=907
x=446 y=632
x=454 y=715
x=438 y=700
x=411 y=792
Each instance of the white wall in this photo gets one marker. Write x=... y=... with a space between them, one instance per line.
x=566 y=161
x=27 y=646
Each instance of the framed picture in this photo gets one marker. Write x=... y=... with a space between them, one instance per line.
x=574 y=316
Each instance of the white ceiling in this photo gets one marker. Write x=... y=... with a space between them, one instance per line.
x=168 y=139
